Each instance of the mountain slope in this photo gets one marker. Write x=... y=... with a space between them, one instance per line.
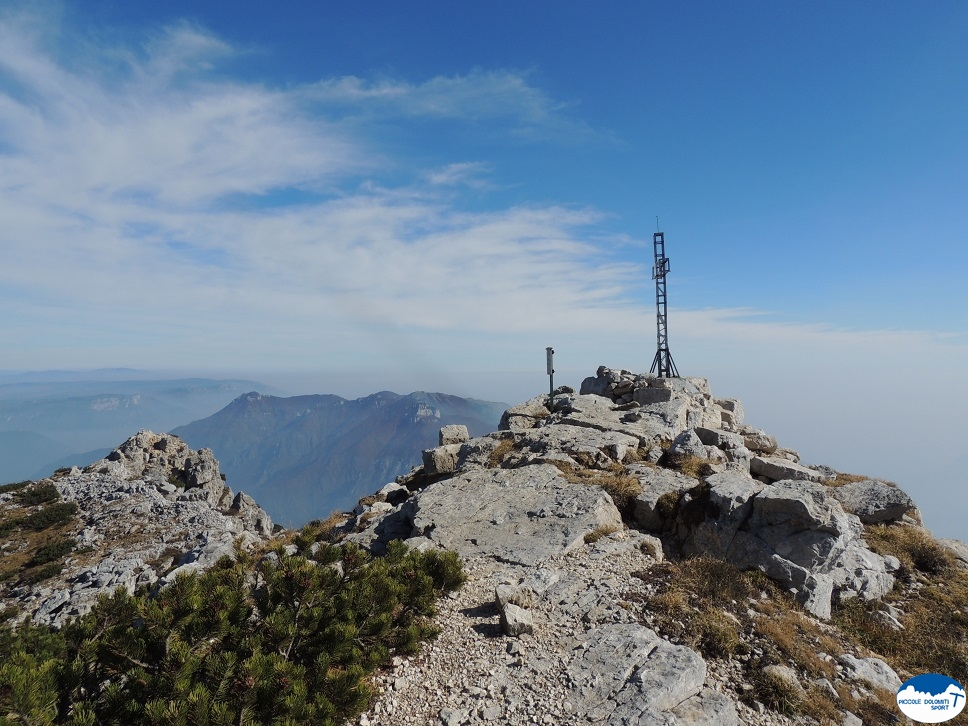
x=303 y=457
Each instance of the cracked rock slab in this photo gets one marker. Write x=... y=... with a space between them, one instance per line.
x=523 y=515
x=623 y=673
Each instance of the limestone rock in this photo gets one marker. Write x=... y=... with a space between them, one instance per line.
x=150 y=505
x=253 y=516
x=623 y=672
x=733 y=413
x=590 y=447
x=442 y=459
x=453 y=434
x=796 y=531
x=788 y=454
x=719 y=438
x=730 y=496
x=595 y=386
x=760 y=442
x=707 y=707
x=516 y=515
x=688 y=443
x=873 y=501
x=505 y=594
x=525 y=415
x=872 y=671
x=515 y=620
x=777 y=468
x=656 y=483
x=958 y=549
x=598 y=413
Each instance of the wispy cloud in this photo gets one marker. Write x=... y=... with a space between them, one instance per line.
x=121 y=178
x=480 y=96
x=77 y=139
x=468 y=173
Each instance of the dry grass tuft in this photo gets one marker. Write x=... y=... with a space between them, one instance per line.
x=819 y=706
x=500 y=453
x=935 y=620
x=689 y=465
x=321 y=530
x=602 y=530
x=913 y=546
x=776 y=693
x=798 y=639
x=639 y=455
x=621 y=487
x=841 y=479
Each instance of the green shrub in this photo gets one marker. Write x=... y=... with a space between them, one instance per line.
x=287 y=641
x=40 y=494
x=52 y=516
x=39 y=574
x=52 y=551
x=15 y=486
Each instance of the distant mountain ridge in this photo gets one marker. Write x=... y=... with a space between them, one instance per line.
x=60 y=418
x=303 y=457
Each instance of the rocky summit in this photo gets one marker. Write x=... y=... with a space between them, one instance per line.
x=151 y=509
x=635 y=552
x=638 y=554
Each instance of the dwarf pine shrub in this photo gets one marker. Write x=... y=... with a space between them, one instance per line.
x=288 y=640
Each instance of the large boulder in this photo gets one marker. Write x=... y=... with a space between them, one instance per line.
x=872 y=672
x=798 y=534
x=453 y=434
x=957 y=549
x=759 y=441
x=719 y=438
x=441 y=459
x=874 y=501
x=732 y=410
x=254 y=517
x=514 y=515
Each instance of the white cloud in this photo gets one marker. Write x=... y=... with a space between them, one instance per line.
x=115 y=142
x=117 y=196
x=466 y=173
x=479 y=95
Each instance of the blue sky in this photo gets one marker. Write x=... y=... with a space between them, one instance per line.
x=347 y=197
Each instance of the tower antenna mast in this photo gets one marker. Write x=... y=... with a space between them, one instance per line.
x=662 y=365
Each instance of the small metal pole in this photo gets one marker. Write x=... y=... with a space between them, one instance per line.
x=550 y=353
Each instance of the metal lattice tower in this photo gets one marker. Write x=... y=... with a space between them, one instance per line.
x=662 y=365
